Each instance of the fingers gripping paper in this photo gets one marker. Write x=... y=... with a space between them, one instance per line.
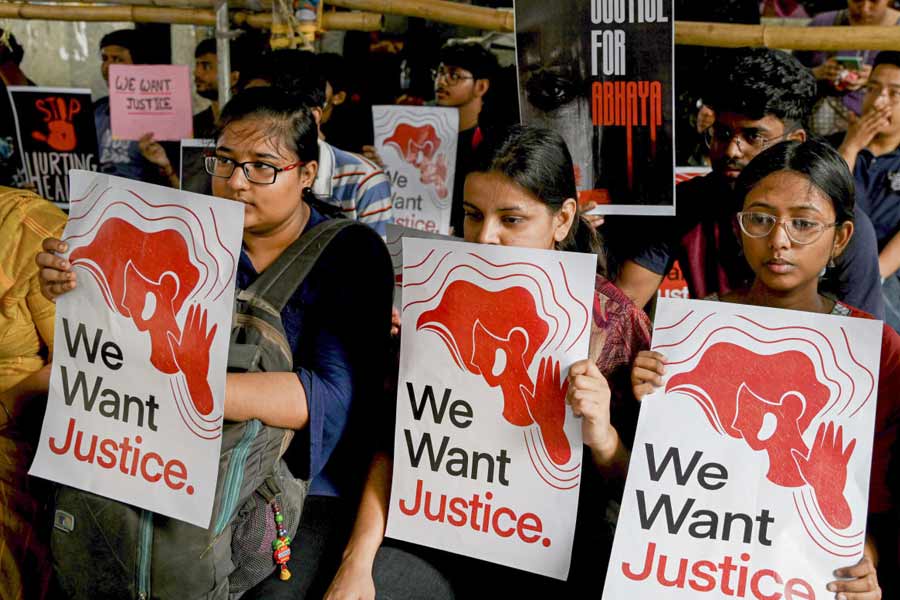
x=487 y=455
x=749 y=475
x=138 y=382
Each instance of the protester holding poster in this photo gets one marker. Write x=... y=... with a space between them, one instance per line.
x=55 y=130
x=797 y=216
x=521 y=193
x=266 y=158
x=463 y=81
x=26 y=332
x=117 y=156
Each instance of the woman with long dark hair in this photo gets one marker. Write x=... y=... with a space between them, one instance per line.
x=522 y=193
x=797 y=217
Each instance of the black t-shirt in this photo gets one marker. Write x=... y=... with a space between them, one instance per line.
x=205 y=124
x=465 y=154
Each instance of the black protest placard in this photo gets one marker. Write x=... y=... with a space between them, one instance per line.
x=600 y=73
x=56 y=133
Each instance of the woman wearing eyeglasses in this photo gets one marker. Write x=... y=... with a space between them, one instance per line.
x=336 y=323
x=797 y=217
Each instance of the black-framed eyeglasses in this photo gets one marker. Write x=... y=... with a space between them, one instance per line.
x=723 y=135
x=453 y=76
x=800 y=231
x=254 y=170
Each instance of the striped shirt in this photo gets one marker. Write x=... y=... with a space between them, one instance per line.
x=355 y=185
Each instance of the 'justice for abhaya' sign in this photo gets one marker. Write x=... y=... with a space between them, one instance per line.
x=487 y=455
x=749 y=474
x=138 y=383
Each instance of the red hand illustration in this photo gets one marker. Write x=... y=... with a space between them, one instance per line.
x=191 y=354
x=58 y=116
x=61 y=136
x=435 y=172
x=548 y=407
x=825 y=470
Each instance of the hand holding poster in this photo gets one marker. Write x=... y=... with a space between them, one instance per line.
x=137 y=388
x=55 y=129
x=600 y=73
x=487 y=455
x=418 y=147
x=150 y=99
x=749 y=475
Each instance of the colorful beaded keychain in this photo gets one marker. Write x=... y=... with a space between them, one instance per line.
x=282 y=545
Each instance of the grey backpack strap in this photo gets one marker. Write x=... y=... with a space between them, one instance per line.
x=280 y=280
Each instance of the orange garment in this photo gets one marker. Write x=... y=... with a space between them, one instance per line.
x=26 y=338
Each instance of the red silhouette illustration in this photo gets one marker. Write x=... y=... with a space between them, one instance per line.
x=497 y=335
x=148 y=278
x=58 y=115
x=770 y=401
x=418 y=146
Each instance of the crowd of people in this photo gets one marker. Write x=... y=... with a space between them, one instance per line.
x=793 y=214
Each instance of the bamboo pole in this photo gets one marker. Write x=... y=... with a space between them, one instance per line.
x=134 y=14
x=789 y=38
x=181 y=16
x=345 y=21
x=251 y=5
x=442 y=11
x=687 y=33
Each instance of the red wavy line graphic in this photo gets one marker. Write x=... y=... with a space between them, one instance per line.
x=871 y=377
x=552 y=294
x=587 y=317
x=683 y=319
x=815 y=541
x=541 y=475
x=417 y=265
x=427 y=279
x=687 y=337
x=812 y=519
x=822 y=518
x=833 y=355
x=228 y=280
x=539 y=444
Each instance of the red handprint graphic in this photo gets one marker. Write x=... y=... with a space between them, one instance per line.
x=58 y=116
x=547 y=404
x=825 y=470
x=191 y=354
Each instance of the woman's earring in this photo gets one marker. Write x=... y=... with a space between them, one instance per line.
x=831 y=263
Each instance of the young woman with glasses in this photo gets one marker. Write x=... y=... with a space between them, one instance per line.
x=336 y=323
x=797 y=217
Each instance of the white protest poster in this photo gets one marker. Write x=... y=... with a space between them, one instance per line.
x=749 y=475
x=418 y=147
x=395 y=235
x=138 y=382
x=487 y=455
